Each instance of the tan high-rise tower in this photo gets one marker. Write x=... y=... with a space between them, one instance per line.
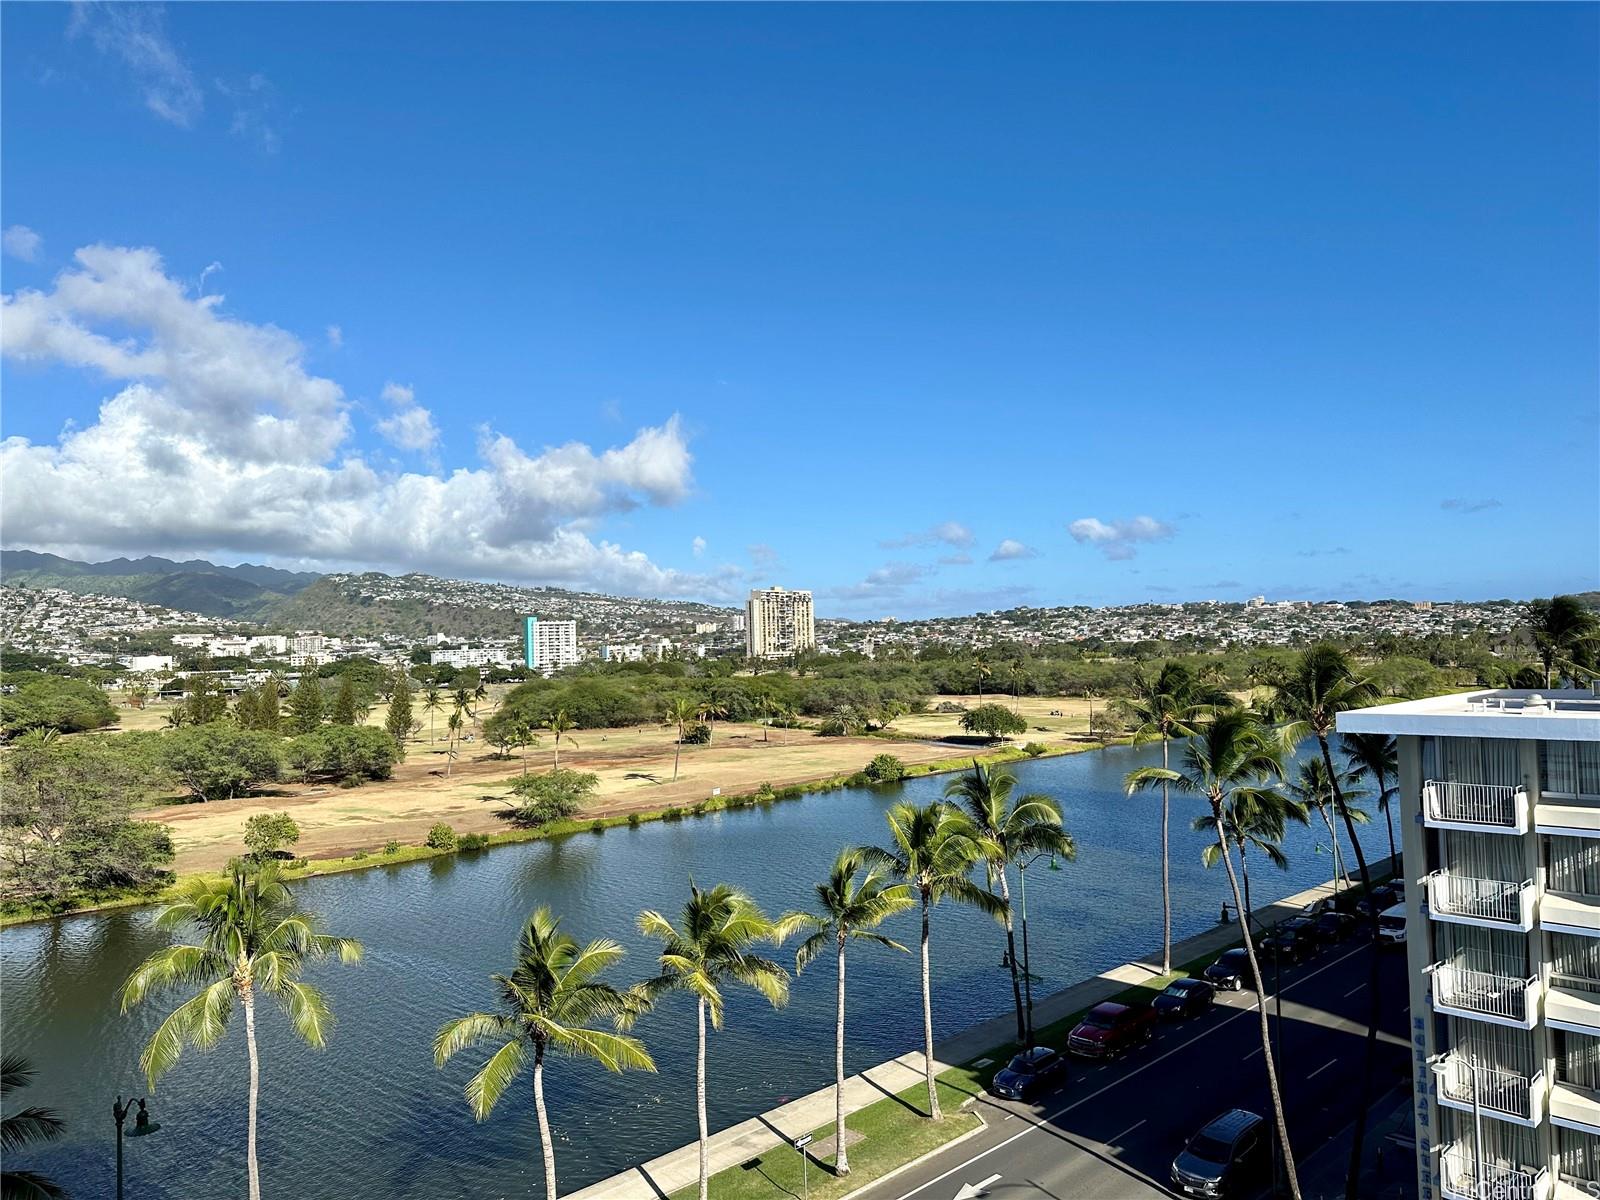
x=778 y=623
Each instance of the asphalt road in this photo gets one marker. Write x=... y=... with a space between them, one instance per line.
x=1111 y=1131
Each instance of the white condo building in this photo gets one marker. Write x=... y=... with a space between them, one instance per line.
x=778 y=623
x=549 y=645
x=1500 y=797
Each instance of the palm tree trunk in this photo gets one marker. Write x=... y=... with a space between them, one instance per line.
x=1352 y=1180
x=1261 y=1010
x=249 y=999
x=1333 y=838
x=555 y=764
x=677 y=749
x=841 y=1156
x=1244 y=871
x=927 y=1017
x=1388 y=818
x=1011 y=957
x=544 y=1123
x=700 y=1094
x=1166 y=867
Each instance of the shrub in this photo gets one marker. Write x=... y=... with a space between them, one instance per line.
x=633 y=820
x=597 y=826
x=697 y=735
x=442 y=837
x=537 y=800
x=358 y=855
x=859 y=779
x=268 y=835
x=885 y=768
x=1033 y=749
x=672 y=814
x=391 y=847
x=764 y=794
x=473 y=841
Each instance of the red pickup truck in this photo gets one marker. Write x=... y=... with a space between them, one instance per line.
x=1111 y=1029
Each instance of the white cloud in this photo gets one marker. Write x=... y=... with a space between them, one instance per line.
x=335 y=336
x=137 y=35
x=959 y=559
x=698 y=547
x=21 y=242
x=1010 y=550
x=949 y=533
x=219 y=440
x=409 y=426
x=1119 y=540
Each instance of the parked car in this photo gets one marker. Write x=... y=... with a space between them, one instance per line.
x=1295 y=939
x=1333 y=926
x=1231 y=971
x=1317 y=907
x=1110 y=1029
x=1392 y=926
x=1184 y=998
x=1383 y=896
x=1030 y=1073
x=1225 y=1158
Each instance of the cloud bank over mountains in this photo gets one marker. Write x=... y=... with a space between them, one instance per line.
x=219 y=439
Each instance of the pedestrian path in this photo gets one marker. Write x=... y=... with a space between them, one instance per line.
x=662 y=1176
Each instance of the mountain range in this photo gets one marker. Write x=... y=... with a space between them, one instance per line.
x=246 y=592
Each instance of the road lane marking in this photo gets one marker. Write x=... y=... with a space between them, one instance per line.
x=1114 y=1141
x=1254 y=1052
x=1322 y=1068
x=1044 y=1121
x=1353 y=991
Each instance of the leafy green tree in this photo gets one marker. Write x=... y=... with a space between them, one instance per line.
x=67 y=827
x=398 y=720
x=1308 y=698
x=1227 y=751
x=251 y=937
x=51 y=702
x=549 y=1004
x=1566 y=636
x=343 y=753
x=679 y=712
x=932 y=850
x=850 y=906
x=885 y=768
x=345 y=704
x=219 y=761
x=1161 y=708
x=709 y=949
x=306 y=704
x=995 y=720
x=1008 y=830
x=1373 y=756
x=203 y=701
x=265 y=834
x=19 y=1130
x=537 y=800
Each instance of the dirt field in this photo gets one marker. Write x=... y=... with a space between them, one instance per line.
x=1052 y=720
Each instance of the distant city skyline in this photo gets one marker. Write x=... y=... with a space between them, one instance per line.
x=928 y=311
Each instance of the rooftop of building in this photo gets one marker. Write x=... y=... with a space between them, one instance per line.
x=1545 y=715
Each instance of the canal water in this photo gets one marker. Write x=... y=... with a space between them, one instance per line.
x=370 y=1117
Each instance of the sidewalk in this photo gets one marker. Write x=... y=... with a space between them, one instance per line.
x=662 y=1176
x=1388 y=1169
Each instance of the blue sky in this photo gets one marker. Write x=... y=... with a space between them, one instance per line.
x=930 y=309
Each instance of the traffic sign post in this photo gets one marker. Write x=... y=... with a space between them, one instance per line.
x=800 y=1143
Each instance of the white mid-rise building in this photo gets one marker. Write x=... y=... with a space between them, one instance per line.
x=1500 y=796
x=778 y=623
x=472 y=656
x=549 y=645
x=141 y=663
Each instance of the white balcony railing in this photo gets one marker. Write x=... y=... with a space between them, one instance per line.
x=1504 y=1094
x=1499 y=999
x=1460 y=1177
x=1487 y=807
x=1495 y=902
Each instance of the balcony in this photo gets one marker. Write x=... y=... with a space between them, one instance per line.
x=1459 y=1178
x=1479 y=807
x=1503 y=1094
x=1573 y=1003
x=1493 y=903
x=1575 y=1108
x=1485 y=996
x=1565 y=912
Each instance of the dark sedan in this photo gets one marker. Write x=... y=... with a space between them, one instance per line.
x=1029 y=1073
x=1290 y=941
x=1230 y=972
x=1334 y=927
x=1184 y=998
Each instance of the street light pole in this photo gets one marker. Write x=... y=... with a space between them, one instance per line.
x=1027 y=977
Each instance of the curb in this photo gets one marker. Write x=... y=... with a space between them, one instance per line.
x=982 y=1127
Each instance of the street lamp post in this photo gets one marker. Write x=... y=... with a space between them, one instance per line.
x=1027 y=976
x=141 y=1128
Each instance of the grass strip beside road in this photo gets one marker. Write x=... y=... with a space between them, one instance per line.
x=894 y=1132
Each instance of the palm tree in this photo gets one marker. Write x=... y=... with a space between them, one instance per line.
x=548 y=1004
x=709 y=949
x=432 y=701
x=453 y=728
x=560 y=724
x=1252 y=818
x=933 y=849
x=22 y=1129
x=1374 y=755
x=849 y=906
x=788 y=714
x=1163 y=708
x=1007 y=831
x=1225 y=751
x=710 y=710
x=679 y=712
x=1312 y=791
x=1308 y=700
x=982 y=668
x=251 y=936
x=1566 y=636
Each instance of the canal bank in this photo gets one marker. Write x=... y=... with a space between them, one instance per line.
x=976 y=1048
